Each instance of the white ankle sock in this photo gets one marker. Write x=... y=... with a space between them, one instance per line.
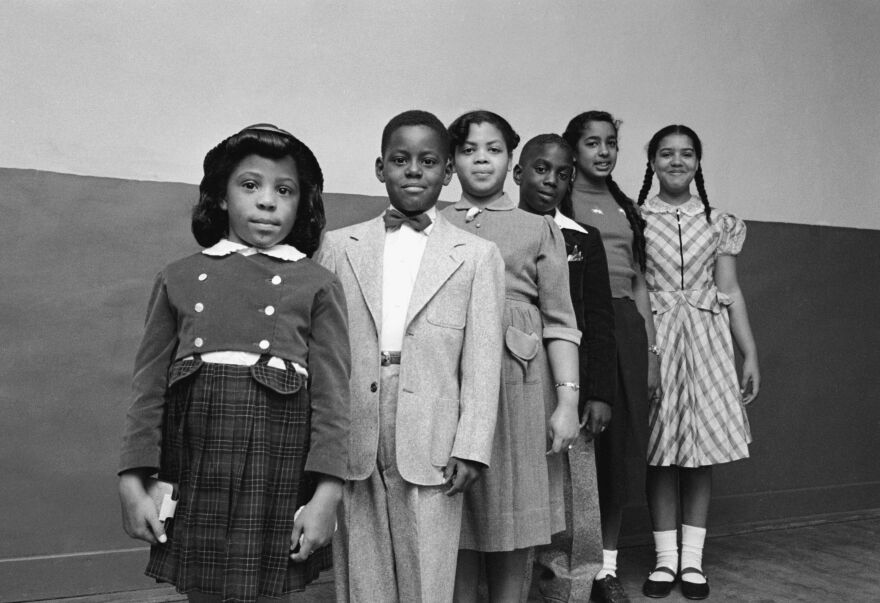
x=666 y=545
x=692 y=539
x=609 y=564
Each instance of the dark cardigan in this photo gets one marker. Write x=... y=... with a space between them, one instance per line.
x=293 y=310
x=591 y=297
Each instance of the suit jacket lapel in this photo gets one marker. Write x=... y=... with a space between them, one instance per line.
x=365 y=257
x=439 y=262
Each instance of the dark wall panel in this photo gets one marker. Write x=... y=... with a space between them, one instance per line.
x=78 y=255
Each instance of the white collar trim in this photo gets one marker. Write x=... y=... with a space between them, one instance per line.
x=691 y=207
x=563 y=221
x=288 y=253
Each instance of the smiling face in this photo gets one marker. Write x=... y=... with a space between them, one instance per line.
x=597 y=150
x=482 y=162
x=544 y=176
x=262 y=196
x=414 y=168
x=675 y=164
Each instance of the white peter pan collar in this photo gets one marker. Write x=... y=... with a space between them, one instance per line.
x=691 y=207
x=288 y=253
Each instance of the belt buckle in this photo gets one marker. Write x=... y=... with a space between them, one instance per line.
x=389 y=357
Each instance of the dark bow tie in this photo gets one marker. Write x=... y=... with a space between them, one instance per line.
x=394 y=220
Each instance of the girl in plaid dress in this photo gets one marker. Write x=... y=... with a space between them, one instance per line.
x=241 y=384
x=700 y=419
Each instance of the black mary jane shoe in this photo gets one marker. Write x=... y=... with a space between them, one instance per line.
x=657 y=589
x=692 y=590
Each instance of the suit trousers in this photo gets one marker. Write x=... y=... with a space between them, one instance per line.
x=396 y=541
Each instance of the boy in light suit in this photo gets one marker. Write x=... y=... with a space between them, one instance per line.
x=424 y=306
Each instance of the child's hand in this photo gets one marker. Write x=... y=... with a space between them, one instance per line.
x=564 y=425
x=597 y=415
x=460 y=474
x=139 y=516
x=317 y=521
x=751 y=380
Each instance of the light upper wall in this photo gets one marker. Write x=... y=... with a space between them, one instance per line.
x=785 y=94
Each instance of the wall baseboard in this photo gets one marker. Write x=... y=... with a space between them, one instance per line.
x=83 y=574
x=759 y=511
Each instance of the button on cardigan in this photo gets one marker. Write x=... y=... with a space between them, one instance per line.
x=204 y=303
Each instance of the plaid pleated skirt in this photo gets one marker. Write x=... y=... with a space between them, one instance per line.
x=235 y=439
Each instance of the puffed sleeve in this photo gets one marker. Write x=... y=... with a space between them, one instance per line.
x=329 y=369
x=733 y=235
x=142 y=438
x=554 y=298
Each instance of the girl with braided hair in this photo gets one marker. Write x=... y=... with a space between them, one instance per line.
x=597 y=201
x=700 y=418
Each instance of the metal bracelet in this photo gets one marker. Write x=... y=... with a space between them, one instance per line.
x=654 y=350
x=574 y=386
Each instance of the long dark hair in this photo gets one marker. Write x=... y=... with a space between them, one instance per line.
x=210 y=222
x=698 y=177
x=572 y=135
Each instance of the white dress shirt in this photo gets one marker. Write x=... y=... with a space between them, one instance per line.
x=404 y=249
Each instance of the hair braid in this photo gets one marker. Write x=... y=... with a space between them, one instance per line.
x=636 y=223
x=653 y=145
x=646 y=183
x=701 y=188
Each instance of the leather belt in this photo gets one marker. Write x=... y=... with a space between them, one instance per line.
x=390 y=358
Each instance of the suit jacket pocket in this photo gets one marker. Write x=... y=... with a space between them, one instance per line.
x=281 y=381
x=444 y=428
x=449 y=308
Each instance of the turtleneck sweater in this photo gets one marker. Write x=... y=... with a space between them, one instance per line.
x=594 y=206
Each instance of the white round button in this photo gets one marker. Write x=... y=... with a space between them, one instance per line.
x=270 y=310
x=199 y=342
x=276 y=280
x=203 y=276
x=199 y=306
x=264 y=345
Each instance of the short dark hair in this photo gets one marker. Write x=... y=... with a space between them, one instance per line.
x=542 y=140
x=210 y=222
x=458 y=130
x=414 y=117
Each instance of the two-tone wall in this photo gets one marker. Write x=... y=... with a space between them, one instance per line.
x=78 y=255
x=132 y=95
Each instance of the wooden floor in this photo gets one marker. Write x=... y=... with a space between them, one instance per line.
x=835 y=560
